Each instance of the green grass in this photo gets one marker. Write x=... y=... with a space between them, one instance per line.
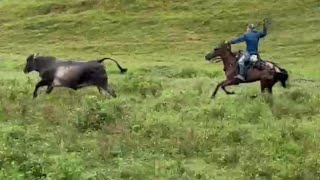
x=163 y=125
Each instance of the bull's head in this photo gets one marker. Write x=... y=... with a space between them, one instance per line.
x=30 y=65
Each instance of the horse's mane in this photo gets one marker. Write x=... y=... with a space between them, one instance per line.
x=234 y=54
x=230 y=50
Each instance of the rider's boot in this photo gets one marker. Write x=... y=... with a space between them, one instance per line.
x=241 y=74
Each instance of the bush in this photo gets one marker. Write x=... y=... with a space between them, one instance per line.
x=186 y=73
x=67 y=166
x=176 y=72
x=17 y=157
x=97 y=113
x=142 y=85
x=298 y=104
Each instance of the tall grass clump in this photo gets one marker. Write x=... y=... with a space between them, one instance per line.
x=141 y=85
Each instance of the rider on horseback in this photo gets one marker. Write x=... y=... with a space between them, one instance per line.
x=251 y=37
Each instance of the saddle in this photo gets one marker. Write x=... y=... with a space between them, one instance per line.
x=259 y=64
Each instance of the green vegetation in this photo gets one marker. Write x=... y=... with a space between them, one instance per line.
x=163 y=125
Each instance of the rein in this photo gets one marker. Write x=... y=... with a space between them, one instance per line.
x=219 y=59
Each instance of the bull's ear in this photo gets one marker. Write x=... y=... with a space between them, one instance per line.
x=35 y=55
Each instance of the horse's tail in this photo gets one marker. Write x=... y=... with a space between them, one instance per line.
x=282 y=76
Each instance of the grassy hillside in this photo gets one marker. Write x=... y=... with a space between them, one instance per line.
x=163 y=125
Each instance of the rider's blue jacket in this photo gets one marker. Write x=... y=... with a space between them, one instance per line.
x=252 y=40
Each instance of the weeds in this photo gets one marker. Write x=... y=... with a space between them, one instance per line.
x=163 y=124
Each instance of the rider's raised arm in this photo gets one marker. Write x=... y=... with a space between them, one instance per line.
x=264 y=32
x=239 y=40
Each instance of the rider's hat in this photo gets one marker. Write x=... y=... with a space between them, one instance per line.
x=251 y=26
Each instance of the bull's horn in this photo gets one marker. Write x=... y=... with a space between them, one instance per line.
x=35 y=55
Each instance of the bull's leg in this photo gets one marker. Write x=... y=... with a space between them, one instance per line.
x=108 y=89
x=38 y=85
x=101 y=91
x=49 y=89
x=102 y=84
x=105 y=87
x=111 y=91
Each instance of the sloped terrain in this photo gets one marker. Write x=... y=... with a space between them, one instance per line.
x=163 y=125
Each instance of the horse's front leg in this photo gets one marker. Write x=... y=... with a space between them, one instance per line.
x=228 y=83
x=216 y=89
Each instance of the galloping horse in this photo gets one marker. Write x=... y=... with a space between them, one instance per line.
x=268 y=73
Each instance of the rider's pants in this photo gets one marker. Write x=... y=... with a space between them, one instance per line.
x=244 y=60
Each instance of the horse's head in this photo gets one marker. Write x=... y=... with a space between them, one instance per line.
x=219 y=51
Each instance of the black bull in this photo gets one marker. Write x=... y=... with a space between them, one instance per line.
x=70 y=74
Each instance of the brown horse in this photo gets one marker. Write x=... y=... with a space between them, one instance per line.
x=268 y=73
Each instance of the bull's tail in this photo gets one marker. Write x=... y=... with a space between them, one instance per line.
x=122 y=70
x=282 y=76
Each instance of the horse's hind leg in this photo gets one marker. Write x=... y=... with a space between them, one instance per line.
x=262 y=86
x=266 y=84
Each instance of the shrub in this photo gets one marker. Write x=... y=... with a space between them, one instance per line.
x=97 y=113
x=67 y=166
x=142 y=85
